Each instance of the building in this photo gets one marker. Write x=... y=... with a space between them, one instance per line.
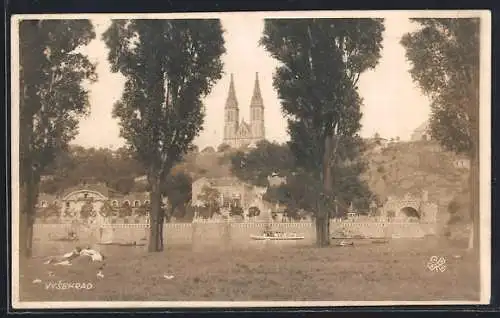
x=232 y=192
x=238 y=134
x=92 y=200
x=422 y=132
x=411 y=207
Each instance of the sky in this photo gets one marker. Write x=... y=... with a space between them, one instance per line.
x=393 y=105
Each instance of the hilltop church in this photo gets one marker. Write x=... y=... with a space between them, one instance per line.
x=239 y=134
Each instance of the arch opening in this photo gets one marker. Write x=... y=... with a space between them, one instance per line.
x=410 y=212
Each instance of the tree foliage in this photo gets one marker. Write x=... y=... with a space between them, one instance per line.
x=301 y=190
x=259 y=163
x=321 y=62
x=178 y=189
x=444 y=57
x=125 y=210
x=86 y=210
x=52 y=95
x=117 y=169
x=211 y=201
x=169 y=66
x=52 y=100
x=106 y=209
x=52 y=210
x=223 y=147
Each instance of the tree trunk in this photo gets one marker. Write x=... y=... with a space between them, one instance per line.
x=28 y=197
x=161 y=228
x=474 y=114
x=156 y=224
x=474 y=204
x=474 y=173
x=323 y=219
x=317 y=223
x=322 y=234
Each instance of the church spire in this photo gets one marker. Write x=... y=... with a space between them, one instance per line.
x=257 y=96
x=231 y=101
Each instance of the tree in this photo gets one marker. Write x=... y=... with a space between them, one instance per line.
x=223 y=147
x=52 y=210
x=321 y=61
x=259 y=163
x=169 y=66
x=210 y=197
x=177 y=188
x=253 y=212
x=444 y=57
x=236 y=210
x=301 y=190
x=123 y=184
x=106 y=209
x=86 y=210
x=349 y=187
x=52 y=99
x=125 y=210
x=117 y=169
x=208 y=149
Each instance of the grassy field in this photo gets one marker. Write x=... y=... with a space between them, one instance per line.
x=394 y=271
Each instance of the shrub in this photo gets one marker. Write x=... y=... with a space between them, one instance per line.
x=223 y=147
x=391 y=214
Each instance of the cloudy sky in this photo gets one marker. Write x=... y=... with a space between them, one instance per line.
x=393 y=105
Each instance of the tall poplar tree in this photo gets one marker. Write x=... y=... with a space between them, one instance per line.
x=321 y=62
x=169 y=66
x=52 y=100
x=444 y=54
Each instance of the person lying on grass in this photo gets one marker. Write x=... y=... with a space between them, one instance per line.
x=68 y=257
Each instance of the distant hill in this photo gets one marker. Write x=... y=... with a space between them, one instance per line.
x=410 y=167
x=206 y=164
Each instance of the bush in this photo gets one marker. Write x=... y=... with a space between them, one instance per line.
x=391 y=214
x=223 y=147
x=453 y=207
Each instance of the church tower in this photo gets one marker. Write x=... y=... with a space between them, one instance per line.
x=257 y=112
x=231 y=116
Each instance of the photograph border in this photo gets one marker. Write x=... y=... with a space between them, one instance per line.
x=485 y=160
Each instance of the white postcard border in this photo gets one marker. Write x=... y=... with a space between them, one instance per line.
x=485 y=158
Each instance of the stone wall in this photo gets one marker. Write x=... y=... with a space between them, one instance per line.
x=225 y=234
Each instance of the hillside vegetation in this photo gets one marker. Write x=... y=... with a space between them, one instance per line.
x=397 y=169
x=393 y=170
x=206 y=164
x=410 y=167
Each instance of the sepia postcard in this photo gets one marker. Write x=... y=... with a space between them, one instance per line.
x=251 y=159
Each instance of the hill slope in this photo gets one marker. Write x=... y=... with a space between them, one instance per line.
x=410 y=167
x=393 y=170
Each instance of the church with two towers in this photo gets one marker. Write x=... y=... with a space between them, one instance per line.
x=240 y=134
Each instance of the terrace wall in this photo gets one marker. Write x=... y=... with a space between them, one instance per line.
x=225 y=234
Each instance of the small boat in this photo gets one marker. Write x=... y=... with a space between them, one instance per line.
x=276 y=236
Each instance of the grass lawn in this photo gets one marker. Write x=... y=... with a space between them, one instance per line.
x=395 y=271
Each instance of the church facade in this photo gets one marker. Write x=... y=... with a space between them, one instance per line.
x=239 y=134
